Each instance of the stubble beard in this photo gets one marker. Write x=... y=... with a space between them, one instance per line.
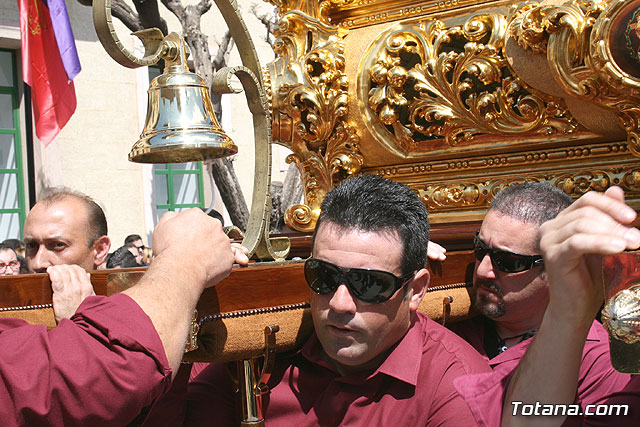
x=489 y=307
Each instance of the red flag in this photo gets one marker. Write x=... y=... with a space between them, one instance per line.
x=53 y=94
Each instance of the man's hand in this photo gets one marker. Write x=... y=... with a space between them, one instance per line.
x=240 y=253
x=192 y=252
x=71 y=285
x=573 y=245
x=436 y=252
x=197 y=241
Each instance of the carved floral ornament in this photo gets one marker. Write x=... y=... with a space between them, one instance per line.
x=592 y=49
x=427 y=81
x=309 y=104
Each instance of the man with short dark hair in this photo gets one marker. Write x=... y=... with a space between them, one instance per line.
x=512 y=284
x=121 y=258
x=372 y=360
x=133 y=242
x=65 y=227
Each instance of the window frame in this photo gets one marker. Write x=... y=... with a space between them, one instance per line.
x=170 y=172
x=15 y=131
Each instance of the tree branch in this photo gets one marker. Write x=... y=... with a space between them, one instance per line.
x=126 y=15
x=267 y=19
x=176 y=7
x=150 y=15
x=203 y=7
x=223 y=50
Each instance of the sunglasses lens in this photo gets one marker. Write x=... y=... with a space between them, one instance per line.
x=320 y=277
x=505 y=261
x=479 y=253
x=371 y=286
x=368 y=286
x=511 y=263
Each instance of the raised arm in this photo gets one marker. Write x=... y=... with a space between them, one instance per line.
x=572 y=245
x=192 y=253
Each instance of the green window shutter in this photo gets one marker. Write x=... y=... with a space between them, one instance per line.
x=12 y=200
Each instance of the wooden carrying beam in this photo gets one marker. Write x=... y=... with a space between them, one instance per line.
x=233 y=314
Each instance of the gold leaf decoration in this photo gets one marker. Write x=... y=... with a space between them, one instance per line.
x=577 y=38
x=311 y=102
x=429 y=81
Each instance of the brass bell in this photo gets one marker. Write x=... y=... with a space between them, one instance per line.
x=181 y=125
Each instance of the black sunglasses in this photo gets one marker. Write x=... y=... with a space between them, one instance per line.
x=372 y=286
x=508 y=262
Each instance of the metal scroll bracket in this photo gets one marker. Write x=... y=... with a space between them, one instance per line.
x=253 y=383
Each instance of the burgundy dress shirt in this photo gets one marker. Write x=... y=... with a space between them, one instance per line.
x=100 y=368
x=598 y=382
x=412 y=387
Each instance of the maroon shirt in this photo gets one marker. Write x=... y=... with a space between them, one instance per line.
x=598 y=382
x=412 y=387
x=101 y=368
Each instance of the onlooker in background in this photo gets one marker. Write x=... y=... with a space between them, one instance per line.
x=9 y=264
x=122 y=258
x=133 y=242
x=18 y=246
x=65 y=227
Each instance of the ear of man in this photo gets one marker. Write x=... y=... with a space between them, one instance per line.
x=101 y=249
x=419 y=286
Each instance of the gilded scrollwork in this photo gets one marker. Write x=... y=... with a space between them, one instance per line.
x=477 y=194
x=309 y=94
x=581 y=40
x=429 y=81
x=453 y=195
x=314 y=8
x=576 y=184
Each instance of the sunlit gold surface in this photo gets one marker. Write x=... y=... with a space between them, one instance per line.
x=576 y=38
x=308 y=98
x=424 y=80
x=621 y=315
x=429 y=96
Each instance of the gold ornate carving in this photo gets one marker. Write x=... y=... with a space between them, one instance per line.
x=309 y=101
x=454 y=196
x=621 y=315
x=579 y=39
x=428 y=81
x=315 y=8
x=355 y=14
x=482 y=164
x=467 y=185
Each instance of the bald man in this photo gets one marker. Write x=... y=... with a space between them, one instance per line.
x=65 y=227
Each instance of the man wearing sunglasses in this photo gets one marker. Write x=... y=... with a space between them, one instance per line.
x=133 y=243
x=512 y=283
x=373 y=360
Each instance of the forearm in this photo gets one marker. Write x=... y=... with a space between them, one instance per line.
x=548 y=373
x=169 y=303
x=61 y=376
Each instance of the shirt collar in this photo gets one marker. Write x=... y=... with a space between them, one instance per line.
x=403 y=363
